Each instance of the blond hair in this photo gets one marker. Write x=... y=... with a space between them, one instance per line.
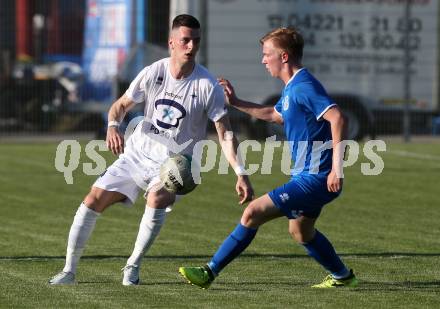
x=288 y=40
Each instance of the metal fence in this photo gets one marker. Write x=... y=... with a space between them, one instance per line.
x=379 y=65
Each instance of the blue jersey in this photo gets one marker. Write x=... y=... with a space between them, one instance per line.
x=302 y=105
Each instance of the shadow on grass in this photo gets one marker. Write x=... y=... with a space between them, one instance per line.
x=142 y=283
x=253 y=286
x=96 y=282
x=219 y=285
x=426 y=286
x=201 y=256
x=364 y=286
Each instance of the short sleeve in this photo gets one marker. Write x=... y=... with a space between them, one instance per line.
x=278 y=106
x=215 y=106
x=315 y=99
x=136 y=91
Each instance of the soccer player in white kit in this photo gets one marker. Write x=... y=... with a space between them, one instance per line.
x=180 y=96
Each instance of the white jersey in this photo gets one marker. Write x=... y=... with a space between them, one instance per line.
x=176 y=111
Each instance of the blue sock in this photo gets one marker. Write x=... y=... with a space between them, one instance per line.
x=233 y=245
x=323 y=252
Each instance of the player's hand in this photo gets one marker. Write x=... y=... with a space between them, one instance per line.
x=244 y=189
x=115 y=140
x=228 y=90
x=334 y=183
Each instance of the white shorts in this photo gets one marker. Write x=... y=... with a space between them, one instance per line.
x=125 y=178
x=122 y=177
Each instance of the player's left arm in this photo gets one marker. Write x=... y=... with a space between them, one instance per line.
x=338 y=124
x=229 y=144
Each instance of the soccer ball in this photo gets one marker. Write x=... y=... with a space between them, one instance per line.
x=176 y=176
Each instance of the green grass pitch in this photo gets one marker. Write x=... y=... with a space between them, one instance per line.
x=386 y=227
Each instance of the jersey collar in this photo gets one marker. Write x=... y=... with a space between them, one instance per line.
x=293 y=76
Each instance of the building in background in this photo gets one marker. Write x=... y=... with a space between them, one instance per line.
x=52 y=30
x=46 y=28
x=44 y=43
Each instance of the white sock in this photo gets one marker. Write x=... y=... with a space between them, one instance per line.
x=82 y=226
x=150 y=226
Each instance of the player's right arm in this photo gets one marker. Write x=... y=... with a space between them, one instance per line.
x=117 y=112
x=263 y=112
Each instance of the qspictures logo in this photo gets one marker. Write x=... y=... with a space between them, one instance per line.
x=68 y=154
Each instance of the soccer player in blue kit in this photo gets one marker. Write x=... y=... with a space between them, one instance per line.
x=314 y=126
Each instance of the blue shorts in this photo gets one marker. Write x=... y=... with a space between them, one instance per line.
x=303 y=195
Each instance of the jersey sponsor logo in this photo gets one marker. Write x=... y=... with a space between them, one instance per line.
x=168 y=113
x=172 y=95
x=286 y=103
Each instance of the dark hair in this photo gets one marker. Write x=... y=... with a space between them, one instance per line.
x=288 y=40
x=185 y=20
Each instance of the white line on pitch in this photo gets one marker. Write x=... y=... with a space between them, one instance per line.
x=415 y=155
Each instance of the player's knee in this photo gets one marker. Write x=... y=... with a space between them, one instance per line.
x=95 y=201
x=91 y=201
x=160 y=199
x=301 y=237
x=250 y=217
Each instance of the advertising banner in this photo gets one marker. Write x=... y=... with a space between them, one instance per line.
x=107 y=40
